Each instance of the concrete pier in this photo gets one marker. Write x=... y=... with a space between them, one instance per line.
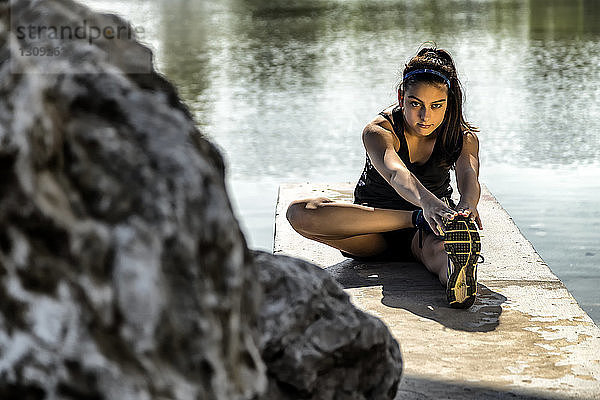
x=524 y=338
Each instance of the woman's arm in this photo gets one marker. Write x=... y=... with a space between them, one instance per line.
x=378 y=139
x=467 y=178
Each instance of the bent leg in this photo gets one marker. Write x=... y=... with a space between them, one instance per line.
x=332 y=220
x=432 y=255
x=352 y=228
x=367 y=245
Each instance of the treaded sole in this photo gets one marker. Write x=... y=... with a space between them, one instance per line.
x=463 y=245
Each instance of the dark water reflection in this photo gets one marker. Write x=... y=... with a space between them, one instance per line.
x=285 y=88
x=564 y=20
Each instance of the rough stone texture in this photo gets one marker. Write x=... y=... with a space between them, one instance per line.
x=123 y=271
x=315 y=343
x=524 y=338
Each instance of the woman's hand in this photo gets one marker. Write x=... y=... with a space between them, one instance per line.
x=433 y=211
x=463 y=208
x=313 y=204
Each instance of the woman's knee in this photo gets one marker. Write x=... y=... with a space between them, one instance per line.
x=295 y=213
x=299 y=217
x=437 y=246
x=433 y=248
x=303 y=215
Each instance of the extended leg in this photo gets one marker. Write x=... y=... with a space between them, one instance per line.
x=461 y=245
x=432 y=255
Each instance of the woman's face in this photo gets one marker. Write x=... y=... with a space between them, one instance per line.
x=424 y=106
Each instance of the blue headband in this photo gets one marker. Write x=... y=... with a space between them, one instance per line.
x=427 y=71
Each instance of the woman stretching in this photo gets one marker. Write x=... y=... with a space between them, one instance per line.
x=402 y=209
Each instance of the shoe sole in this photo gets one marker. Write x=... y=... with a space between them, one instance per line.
x=463 y=245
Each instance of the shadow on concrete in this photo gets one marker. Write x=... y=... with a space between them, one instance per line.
x=426 y=388
x=411 y=287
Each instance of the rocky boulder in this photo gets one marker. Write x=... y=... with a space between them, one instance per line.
x=315 y=343
x=123 y=271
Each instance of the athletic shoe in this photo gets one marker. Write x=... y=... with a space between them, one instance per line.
x=462 y=243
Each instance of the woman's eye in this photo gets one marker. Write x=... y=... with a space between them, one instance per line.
x=434 y=106
x=415 y=103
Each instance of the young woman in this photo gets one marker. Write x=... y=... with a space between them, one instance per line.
x=402 y=208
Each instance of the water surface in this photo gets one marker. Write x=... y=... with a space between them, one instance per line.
x=285 y=88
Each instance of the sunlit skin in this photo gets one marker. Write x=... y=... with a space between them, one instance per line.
x=424 y=106
x=356 y=228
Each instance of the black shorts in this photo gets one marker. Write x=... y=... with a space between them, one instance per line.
x=399 y=241
x=398 y=247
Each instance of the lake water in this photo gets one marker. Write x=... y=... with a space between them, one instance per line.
x=285 y=89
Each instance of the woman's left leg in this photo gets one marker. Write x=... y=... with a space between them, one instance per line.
x=432 y=255
x=461 y=289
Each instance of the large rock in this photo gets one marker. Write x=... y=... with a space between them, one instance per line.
x=123 y=271
x=315 y=343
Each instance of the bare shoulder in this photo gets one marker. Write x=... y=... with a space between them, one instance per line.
x=378 y=130
x=470 y=136
x=389 y=113
x=381 y=127
x=380 y=121
x=470 y=141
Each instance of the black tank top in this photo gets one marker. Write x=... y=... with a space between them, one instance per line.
x=374 y=191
